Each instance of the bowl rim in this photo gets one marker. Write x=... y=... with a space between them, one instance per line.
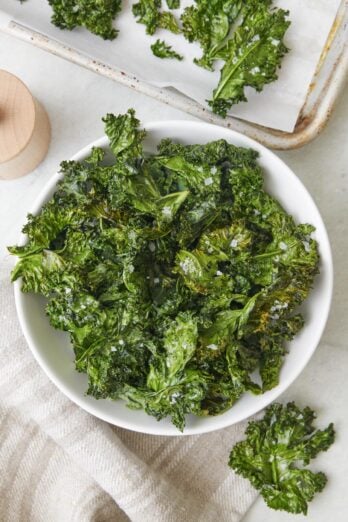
x=270 y=395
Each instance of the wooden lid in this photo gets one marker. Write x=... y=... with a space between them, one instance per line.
x=25 y=131
x=17 y=116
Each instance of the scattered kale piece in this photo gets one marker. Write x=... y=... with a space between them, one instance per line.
x=126 y=139
x=252 y=56
x=272 y=454
x=246 y=35
x=162 y=50
x=95 y=15
x=148 y=12
x=176 y=274
x=209 y=23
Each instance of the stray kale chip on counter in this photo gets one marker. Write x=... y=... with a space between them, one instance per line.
x=274 y=454
x=176 y=274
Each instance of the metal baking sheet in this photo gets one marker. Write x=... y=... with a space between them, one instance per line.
x=327 y=82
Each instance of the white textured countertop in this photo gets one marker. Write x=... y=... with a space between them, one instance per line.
x=76 y=99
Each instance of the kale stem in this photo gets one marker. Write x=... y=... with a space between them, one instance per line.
x=274 y=471
x=227 y=79
x=268 y=254
x=88 y=351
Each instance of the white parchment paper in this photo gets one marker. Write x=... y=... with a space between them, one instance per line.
x=279 y=104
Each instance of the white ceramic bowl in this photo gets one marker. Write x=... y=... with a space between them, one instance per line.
x=52 y=349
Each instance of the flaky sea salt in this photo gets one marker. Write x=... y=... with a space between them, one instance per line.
x=167 y=212
x=187 y=266
x=208 y=181
x=174 y=397
x=306 y=246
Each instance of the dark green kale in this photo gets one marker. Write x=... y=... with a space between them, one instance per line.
x=148 y=12
x=176 y=274
x=95 y=15
x=274 y=452
x=246 y=35
x=173 y=4
x=252 y=56
x=126 y=140
x=162 y=50
x=208 y=22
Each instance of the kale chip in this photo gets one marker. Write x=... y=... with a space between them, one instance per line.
x=95 y=15
x=246 y=35
x=272 y=454
x=149 y=13
x=162 y=50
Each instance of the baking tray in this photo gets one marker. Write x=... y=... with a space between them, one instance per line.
x=327 y=83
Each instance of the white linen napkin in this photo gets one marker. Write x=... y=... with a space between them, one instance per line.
x=61 y=464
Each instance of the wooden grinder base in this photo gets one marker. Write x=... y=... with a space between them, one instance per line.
x=25 y=131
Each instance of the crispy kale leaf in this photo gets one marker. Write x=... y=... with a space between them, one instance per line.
x=162 y=50
x=95 y=15
x=272 y=452
x=124 y=134
x=246 y=35
x=173 y=4
x=176 y=275
x=209 y=23
x=252 y=56
x=148 y=12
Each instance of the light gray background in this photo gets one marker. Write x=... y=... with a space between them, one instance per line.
x=76 y=99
